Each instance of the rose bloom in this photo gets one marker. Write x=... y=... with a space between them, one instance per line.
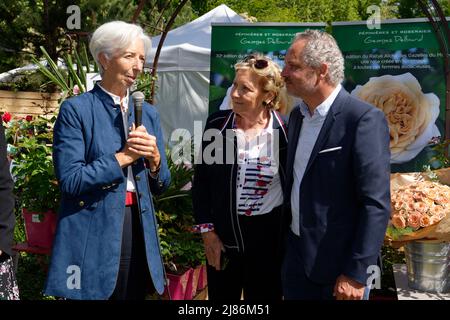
x=421 y=207
x=398 y=221
x=425 y=221
x=403 y=213
x=422 y=204
x=29 y=118
x=414 y=220
x=434 y=219
x=399 y=205
x=411 y=206
x=76 y=90
x=410 y=113
x=440 y=199
x=6 y=117
x=438 y=212
x=419 y=195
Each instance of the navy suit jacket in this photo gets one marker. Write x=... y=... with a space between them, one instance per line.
x=345 y=196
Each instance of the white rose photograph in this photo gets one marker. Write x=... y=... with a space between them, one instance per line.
x=411 y=114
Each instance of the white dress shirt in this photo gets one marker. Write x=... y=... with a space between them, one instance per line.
x=309 y=132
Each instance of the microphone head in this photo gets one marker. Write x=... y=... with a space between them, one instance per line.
x=138 y=97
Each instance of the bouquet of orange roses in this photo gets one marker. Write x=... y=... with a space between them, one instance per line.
x=416 y=208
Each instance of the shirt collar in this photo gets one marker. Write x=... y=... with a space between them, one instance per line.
x=123 y=103
x=267 y=130
x=323 y=108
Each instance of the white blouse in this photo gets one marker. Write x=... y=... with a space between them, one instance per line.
x=258 y=185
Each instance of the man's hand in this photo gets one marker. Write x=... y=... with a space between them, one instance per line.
x=213 y=248
x=348 y=289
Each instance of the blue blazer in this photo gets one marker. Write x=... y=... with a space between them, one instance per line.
x=345 y=195
x=86 y=250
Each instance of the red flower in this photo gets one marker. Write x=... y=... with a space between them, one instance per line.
x=29 y=118
x=6 y=117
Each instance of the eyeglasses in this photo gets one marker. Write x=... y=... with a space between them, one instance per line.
x=257 y=63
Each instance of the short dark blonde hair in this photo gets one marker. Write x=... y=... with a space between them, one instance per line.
x=270 y=75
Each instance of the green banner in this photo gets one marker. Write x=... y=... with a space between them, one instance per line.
x=399 y=69
x=232 y=42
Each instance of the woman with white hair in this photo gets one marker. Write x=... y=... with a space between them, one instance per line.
x=106 y=244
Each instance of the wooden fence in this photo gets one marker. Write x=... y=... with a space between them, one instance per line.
x=21 y=104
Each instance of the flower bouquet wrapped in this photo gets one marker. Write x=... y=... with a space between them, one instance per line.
x=417 y=208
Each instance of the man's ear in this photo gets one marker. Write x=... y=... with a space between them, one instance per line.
x=323 y=71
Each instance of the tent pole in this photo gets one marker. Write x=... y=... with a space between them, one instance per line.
x=160 y=44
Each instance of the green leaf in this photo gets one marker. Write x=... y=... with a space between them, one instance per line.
x=396 y=234
x=73 y=74
x=80 y=71
x=58 y=77
x=85 y=58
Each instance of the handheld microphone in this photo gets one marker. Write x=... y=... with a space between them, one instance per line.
x=138 y=100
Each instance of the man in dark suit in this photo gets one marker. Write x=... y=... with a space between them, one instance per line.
x=337 y=177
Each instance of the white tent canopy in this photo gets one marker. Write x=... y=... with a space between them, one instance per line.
x=183 y=69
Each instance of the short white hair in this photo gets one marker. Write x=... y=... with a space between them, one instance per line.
x=320 y=48
x=114 y=37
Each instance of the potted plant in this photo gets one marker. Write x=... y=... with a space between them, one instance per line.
x=183 y=253
x=182 y=250
x=29 y=145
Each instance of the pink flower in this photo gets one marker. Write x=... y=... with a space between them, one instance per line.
x=399 y=204
x=434 y=220
x=438 y=212
x=425 y=221
x=410 y=206
x=421 y=207
x=403 y=213
x=414 y=220
x=418 y=196
x=398 y=221
x=76 y=90
x=6 y=117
